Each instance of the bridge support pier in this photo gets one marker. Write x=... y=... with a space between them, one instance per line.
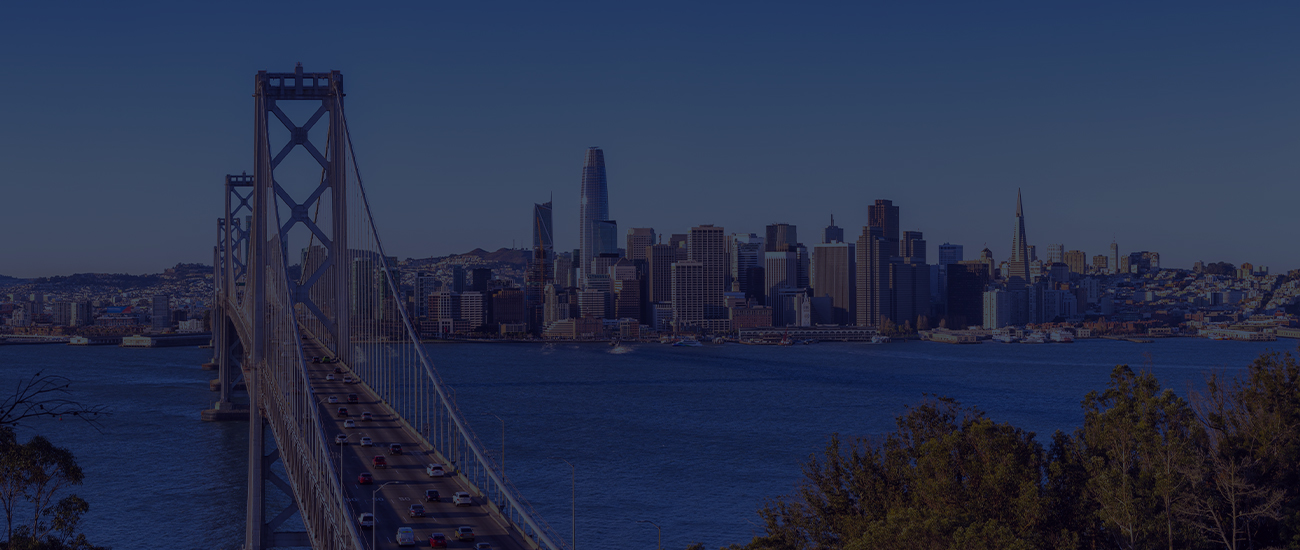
x=260 y=533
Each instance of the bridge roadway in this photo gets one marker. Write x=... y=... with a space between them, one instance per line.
x=407 y=470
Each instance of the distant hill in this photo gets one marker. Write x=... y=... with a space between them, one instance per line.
x=10 y=281
x=505 y=255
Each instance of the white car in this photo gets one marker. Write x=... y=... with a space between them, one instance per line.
x=462 y=499
x=435 y=470
x=341 y=439
x=334 y=399
x=349 y=423
x=366 y=442
x=482 y=546
x=347 y=379
x=366 y=520
x=405 y=536
x=330 y=377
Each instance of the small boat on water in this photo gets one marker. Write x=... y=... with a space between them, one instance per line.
x=1062 y=337
x=1035 y=337
x=719 y=340
x=1004 y=338
x=687 y=343
x=880 y=339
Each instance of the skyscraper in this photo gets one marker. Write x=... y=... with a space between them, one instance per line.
x=834 y=277
x=780 y=236
x=1055 y=253
x=541 y=268
x=874 y=255
x=708 y=245
x=912 y=247
x=746 y=252
x=781 y=272
x=1077 y=260
x=833 y=233
x=638 y=238
x=1018 y=265
x=950 y=254
x=161 y=312
x=884 y=216
x=543 y=239
x=593 y=211
x=688 y=293
x=1114 y=258
x=660 y=258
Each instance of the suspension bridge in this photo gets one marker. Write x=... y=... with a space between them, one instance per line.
x=306 y=298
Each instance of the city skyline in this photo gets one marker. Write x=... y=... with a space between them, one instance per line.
x=1162 y=133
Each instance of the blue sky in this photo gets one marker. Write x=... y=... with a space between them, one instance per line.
x=1167 y=127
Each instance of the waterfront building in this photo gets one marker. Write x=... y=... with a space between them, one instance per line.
x=508 y=307
x=791 y=307
x=832 y=233
x=596 y=232
x=1077 y=261
x=998 y=308
x=659 y=261
x=909 y=292
x=161 y=312
x=473 y=309
x=874 y=253
x=746 y=252
x=708 y=245
x=638 y=238
x=883 y=215
x=591 y=303
x=835 y=277
x=780 y=236
x=750 y=316
x=780 y=270
x=688 y=293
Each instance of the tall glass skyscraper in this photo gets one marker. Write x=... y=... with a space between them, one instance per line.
x=597 y=234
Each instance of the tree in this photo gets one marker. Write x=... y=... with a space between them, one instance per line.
x=45 y=396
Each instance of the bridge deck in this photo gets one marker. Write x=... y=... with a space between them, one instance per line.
x=407 y=470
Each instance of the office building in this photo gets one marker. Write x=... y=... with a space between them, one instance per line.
x=1055 y=254
x=479 y=279
x=659 y=260
x=909 y=292
x=883 y=215
x=780 y=237
x=458 y=282
x=874 y=253
x=1113 y=262
x=950 y=254
x=912 y=247
x=966 y=284
x=638 y=238
x=803 y=266
x=161 y=312
x=756 y=284
x=473 y=309
x=746 y=252
x=592 y=304
x=834 y=277
x=688 y=293
x=780 y=270
x=596 y=232
x=832 y=233
x=425 y=285
x=1018 y=265
x=1077 y=260
x=708 y=245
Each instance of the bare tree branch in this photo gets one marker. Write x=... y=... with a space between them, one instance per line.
x=47 y=396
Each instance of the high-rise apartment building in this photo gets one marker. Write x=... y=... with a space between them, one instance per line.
x=638 y=238
x=912 y=247
x=1077 y=260
x=950 y=254
x=678 y=242
x=834 y=276
x=780 y=237
x=596 y=232
x=1100 y=264
x=161 y=312
x=1055 y=254
x=874 y=253
x=833 y=233
x=688 y=293
x=708 y=245
x=1113 y=263
x=425 y=285
x=659 y=260
x=883 y=215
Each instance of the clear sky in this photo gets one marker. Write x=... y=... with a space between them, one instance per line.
x=1168 y=126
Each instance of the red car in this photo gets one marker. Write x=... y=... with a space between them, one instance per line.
x=365 y=478
x=379 y=462
x=436 y=540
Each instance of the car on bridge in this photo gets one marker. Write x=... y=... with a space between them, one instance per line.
x=431 y=495
x=334 y=399
x=366 y=520
x=352 y=398
x=437 y=540
x=367 y=416
x=349 y=423
x=465 y=532
x=416 y=510
x=348 y=379
x=482 y=546
x=365 y=478
x=379 y=462
x=394 y=449
x=329 y=377
x=341 y=439
x=405 y=536
x=462 y=499
x=366 y=442
x=315 y=359
x=343 y=412
x=435 y=470
x=338 y=370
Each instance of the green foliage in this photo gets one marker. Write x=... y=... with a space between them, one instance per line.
x=1148 y=469
x=33 y=477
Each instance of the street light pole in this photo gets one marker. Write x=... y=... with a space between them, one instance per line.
x=374 y=518
x=574 y=473
x=660 y=546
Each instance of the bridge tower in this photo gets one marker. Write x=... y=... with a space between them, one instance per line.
x=230 y=270
x=317 y=297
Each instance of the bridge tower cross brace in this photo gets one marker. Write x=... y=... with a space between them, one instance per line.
x=270 y=89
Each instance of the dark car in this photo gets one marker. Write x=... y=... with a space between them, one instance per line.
x=338 y=370
x=352 y=398
x=431 y=495
x=379 y=461
x=365 y=478
x=343 y=412
x=437 y=540
x=416 y=510
x=394 y=449
x=315 y=359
